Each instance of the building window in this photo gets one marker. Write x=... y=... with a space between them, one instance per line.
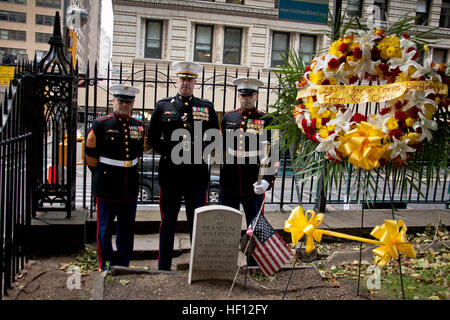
x=235 y=1
x=280 y=45
x=444 y=21
x=382 y=5
x=49 y=3
x=6 y=34
x=439 y=55
x=232 y=46
x=277 y=4
x=13 y=51
x=354 y=8
x=422 y=11
x=203 y=43
x=40 y=54
x=12 y=16
x=307 y=48
x=45 y=20
x=42 y=37
x=15 y=1
x=153 y=39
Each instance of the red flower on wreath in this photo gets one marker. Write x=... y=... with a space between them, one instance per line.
x=333 y=63
x=401 y=116
x=358 y=117
x=357 y=53
x=343 y=47
x=397 y=133
x=353 y=79
x=385 y=111
x=414 y=112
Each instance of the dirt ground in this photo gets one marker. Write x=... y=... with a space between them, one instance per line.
x=305 y=284
x=46 y=278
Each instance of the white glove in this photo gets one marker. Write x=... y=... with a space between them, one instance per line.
x=260 y=188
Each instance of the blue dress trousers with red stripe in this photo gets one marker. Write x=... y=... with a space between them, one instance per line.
x=115 y=183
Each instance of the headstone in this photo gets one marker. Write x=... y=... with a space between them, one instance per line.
x=215 y=243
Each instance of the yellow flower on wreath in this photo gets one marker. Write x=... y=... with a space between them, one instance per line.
x=409 y=121
x=390 y=48
x=412 y=136
x=406 y=77
x=391 y=124
x=316 y=77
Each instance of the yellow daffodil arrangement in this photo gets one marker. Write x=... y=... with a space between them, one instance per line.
x=407 y=95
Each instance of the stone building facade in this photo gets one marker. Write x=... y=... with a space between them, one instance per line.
x=241 y=36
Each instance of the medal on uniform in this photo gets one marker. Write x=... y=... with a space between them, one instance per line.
x=136 y=132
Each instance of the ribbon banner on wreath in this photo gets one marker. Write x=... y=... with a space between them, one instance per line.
x=407 y=95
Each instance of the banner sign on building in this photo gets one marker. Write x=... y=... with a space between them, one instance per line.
x=304 y=10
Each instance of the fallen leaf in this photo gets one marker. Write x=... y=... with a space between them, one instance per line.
x=124 y=282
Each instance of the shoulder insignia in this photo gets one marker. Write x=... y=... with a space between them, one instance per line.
x=231 y=111
x=91 y=140
x=104 y=118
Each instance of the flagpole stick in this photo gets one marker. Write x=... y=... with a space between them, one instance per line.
x=292 y=271
x=263 y=167
x=246 y=247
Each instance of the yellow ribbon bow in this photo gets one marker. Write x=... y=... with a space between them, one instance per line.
x=392 y=235
x=363 y=147
x=299 y=225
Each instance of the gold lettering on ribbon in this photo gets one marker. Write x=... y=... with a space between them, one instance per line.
x=342 y=94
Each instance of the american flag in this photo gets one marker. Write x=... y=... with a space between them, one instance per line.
x=271 y=252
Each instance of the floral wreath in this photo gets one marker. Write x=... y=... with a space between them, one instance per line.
x=407 y=95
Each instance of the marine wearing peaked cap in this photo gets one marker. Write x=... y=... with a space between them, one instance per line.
x=187 y=69
x=247 y=86
x=188 y=180
x=240 y=182
x=123 y=92
x=112 y=150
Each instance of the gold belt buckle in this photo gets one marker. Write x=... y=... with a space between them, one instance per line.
x=128 y=163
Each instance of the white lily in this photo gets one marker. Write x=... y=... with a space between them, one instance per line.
x=404 y=62
x=366 y=37
x=340 y=75
x=418 y=98
x=381 y=122
x=342 y=121
x=426 y=70
x=328 y=145
x=365 y=64
x=325 y=106
x=400 y=148
x=323 y=64
x=427 y=125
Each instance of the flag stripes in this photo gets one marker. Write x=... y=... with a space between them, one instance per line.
x=271 y=252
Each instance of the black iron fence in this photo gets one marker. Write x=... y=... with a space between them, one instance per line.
x=157 y=81
x=16 y=176
x=37 y=145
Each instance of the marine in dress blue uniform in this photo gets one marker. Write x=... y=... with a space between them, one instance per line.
x=187 y=179
x=239 y=178
x=113 y=146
